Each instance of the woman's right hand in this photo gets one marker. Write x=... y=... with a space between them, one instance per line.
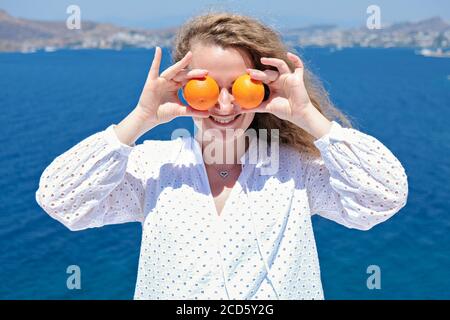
x=159 y=102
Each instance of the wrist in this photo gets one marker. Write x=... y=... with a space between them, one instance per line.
x=312 y=121
x=143 y=116
x=133 y=126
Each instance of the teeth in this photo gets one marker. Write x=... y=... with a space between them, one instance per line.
x=224 y=120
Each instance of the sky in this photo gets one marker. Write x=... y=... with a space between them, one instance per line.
x=278 y=13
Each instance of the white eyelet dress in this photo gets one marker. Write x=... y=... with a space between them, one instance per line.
x=261 y=246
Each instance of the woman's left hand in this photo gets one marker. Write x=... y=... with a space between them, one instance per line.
x=288 y=99
x=288 y=95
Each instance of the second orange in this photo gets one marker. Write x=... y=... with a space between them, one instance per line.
x=247 y=92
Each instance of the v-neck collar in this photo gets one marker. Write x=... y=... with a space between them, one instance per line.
x=190 y=154
x=237 y=187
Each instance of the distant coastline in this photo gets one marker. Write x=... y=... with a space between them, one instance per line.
x=28 y=36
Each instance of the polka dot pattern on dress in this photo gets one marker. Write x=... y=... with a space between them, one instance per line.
x=260 y=247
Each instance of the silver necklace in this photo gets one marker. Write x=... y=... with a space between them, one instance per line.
x=223 y=173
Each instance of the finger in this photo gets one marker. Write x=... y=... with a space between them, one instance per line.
x=185 y=75
x=260 y=109
x=154 y=69
x=281 y=65
x=298 y=63
x=266 y=76
x=170 y=72
x=187 y=111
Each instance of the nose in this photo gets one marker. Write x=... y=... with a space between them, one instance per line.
x=224 y=105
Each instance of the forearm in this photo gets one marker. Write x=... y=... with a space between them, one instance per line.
x=313 y=122
x=133 y=127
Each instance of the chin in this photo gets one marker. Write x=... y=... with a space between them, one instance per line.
x=224 y=128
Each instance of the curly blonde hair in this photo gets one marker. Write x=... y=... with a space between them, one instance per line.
x=229 y=30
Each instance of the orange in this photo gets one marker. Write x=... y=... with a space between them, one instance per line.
x=247 y=92
x=202 y=93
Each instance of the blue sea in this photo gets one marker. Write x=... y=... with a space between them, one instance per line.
x=51 y=100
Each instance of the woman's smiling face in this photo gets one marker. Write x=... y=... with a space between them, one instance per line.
x=224 y=66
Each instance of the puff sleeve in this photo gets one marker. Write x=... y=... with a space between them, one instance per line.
x=97 y=182
x=357 y=181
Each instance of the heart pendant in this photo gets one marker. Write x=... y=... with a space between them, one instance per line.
x=223 y=174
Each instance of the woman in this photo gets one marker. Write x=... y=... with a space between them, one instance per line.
x=218 y=229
